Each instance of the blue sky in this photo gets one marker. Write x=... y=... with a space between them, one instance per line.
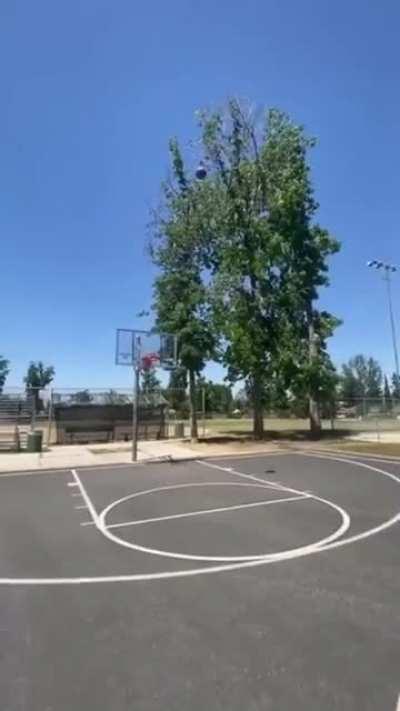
x=91 y=92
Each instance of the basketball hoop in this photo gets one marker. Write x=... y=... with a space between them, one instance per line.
x=149 y=361
x=145 y=349
x=142 y=351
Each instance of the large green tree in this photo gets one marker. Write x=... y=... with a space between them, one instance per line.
x=351 y=389
x=361 y=378
x=317 y=380
x=241 y=260
x=176 y=392
x=150 y=381
x=4 y=371
x=113 y=397
x=38 y=377
x=266 y=256
x=150 y=388
x=217 y=398
x=82 y=397
x=396 y=387
x=374 y=379
x=180 y=299
x=387 y=395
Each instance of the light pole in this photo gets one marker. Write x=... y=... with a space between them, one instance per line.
x=388 y=269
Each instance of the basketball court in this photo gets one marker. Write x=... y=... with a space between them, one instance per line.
x=267 y=582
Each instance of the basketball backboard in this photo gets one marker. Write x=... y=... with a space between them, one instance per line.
x=144 y=349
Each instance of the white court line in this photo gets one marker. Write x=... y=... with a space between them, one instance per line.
x=67 y=470
x=209 y=570
x=266 y=482
x=79 y=508
x=87 y=523
x=34 y=472
x=77 y=494
x=85 y=497
x=202 y=512
x=72 y=483
x=352 y=461
x=398 y=704
x=102 y=525
x=248 y=455
x=369 y=457
x=252 y=477
x=283 y=487
x=346 y=520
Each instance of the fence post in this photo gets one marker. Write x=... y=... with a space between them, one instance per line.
x=378 y=434
x=135 y=413
x=50 y=418
x=17 y=444
x=33 y=413
x=203 y=408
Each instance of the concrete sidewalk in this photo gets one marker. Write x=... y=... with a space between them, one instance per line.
x=70 y=456
x=74 y=455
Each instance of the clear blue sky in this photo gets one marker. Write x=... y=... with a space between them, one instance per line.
x=91 y=92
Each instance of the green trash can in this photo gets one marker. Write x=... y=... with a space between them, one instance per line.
x=34 y=443
x=179 y=430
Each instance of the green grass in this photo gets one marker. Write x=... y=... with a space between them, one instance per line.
x=225 y=425
x=388 y=449
x=244 y=426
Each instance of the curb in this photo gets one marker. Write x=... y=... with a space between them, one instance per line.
x=163 y=459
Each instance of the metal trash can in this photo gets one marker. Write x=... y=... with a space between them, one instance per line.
x=179 y=430
x=34 y=442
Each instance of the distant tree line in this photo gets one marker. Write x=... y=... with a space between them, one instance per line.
x=4 y=371
x=359 y=382
x=362 y=378
x=38 y=377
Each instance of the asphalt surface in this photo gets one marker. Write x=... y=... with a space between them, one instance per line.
x=91 y=620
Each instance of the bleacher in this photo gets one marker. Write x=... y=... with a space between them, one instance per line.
x=15 y=418
x=15 y=410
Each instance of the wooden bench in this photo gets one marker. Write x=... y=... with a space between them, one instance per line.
x=75 y=435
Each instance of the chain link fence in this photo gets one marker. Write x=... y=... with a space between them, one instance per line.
x=101 y=414
x=375 y=418
x=67 y=415
x=72 y=415
x=104 y=415
x=370 y=416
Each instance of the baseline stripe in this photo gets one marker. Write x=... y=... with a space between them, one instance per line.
x=86 y=498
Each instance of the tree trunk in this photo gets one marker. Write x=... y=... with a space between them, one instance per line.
x=258 y=410
x=315 y=419
x=194 y=435
x=32 y=395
